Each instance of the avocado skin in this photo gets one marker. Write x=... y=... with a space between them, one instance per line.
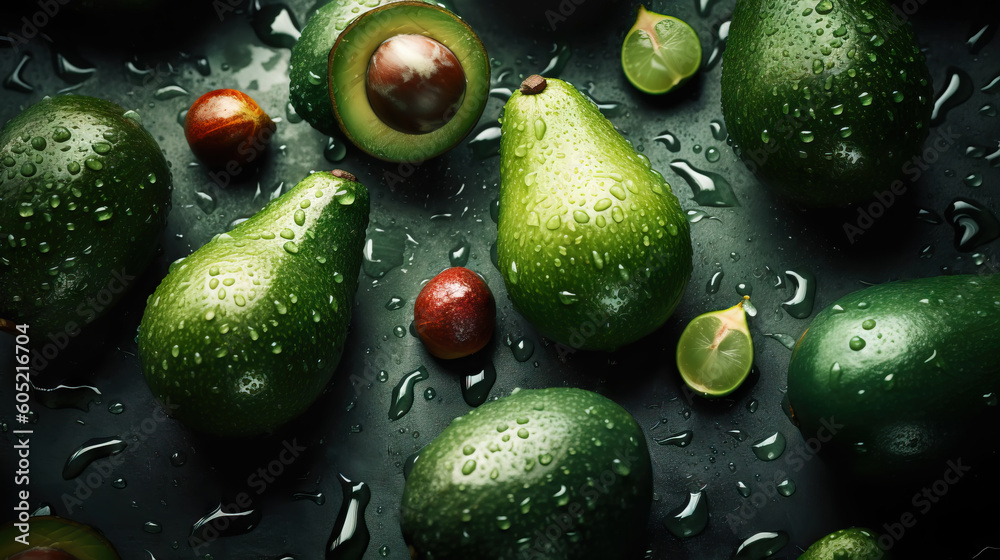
x=562 y=452
x=918 y=391
x=641 y=239
x=854 y=543
x=243 y=335
x=776 y=78
x=61 y=258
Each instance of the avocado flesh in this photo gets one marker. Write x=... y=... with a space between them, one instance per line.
x=309 y=88
x=593 y=246
x=896 y=379
x=825 y=108
x=348 y=67
x=245 y=333
x=84 y=196
x=502 y=475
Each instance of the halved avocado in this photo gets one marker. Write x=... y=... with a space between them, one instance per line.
x=54 y=538
x=348 y=76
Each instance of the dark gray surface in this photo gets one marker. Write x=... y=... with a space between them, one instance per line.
x=445 y=200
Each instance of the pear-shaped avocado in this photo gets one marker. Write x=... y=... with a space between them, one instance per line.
x=592 y=243
x=53 y=538
x=244 y=334
x=84 y=195
x=824 y=100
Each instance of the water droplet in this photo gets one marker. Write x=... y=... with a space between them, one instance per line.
x=335 y=150
x=522 y=349
x=769 y=448
x=178 y=458
x=743 y=489
x=116 y=407
x=761 y=545
x=856 y=343
x=90 y=451
x=785 y=340
x=383 y=251
x=119 y=483
x=957 y=89
x=973 y=223
x=459 y=254
x=786 y=487
x=690 y=518
x=395 y=303
x=973 y=180
x=680 y=439
x=224 y=522
x=103 y=214
x=486 y=143
x=476 y=387
x=275 y=25
x=801 y=303
x=708 y=189
x=402 y=393
x=15 y=81
x=669 y=140
x=152 y=527
x=568 y=298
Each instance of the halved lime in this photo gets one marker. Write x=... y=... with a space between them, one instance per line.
x=715 y=353
x=660 y=52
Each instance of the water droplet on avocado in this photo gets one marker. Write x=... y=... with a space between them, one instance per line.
x=103 y=214
x=769 y=448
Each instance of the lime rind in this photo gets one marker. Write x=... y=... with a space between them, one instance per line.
x=660 y=52
x=715 y=352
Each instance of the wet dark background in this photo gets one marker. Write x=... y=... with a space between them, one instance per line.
x=423 y=216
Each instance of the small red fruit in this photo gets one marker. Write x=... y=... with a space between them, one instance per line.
x=226 y=129
x=415 y=84
x=454 y=313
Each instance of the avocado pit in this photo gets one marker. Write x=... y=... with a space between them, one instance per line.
x=414 y=83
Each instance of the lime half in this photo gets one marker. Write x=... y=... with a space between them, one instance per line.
x=660 y=52
x=715 y=353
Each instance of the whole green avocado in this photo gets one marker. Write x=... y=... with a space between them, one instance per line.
x=825 y=101
x=559 y=473
x=84 y=196
x=896 y=380
x=246 y=332
x=593 y=245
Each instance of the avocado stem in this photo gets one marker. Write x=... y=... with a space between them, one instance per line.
x=533 y=84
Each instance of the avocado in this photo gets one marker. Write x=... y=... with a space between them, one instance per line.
x=408 y=81
x=309 y=89
x=543 y=473
x=592 y=243
x=854 y=543
x=84 y=196
x=897 y=378
x=245 y=333
x=824 y=101
x=55 y=538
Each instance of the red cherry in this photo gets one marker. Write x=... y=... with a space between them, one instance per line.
x=415 y=84
x=226 y=129
x=454 y=313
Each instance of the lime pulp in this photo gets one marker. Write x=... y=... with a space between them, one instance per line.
x=660 y=52
x=715 y=352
